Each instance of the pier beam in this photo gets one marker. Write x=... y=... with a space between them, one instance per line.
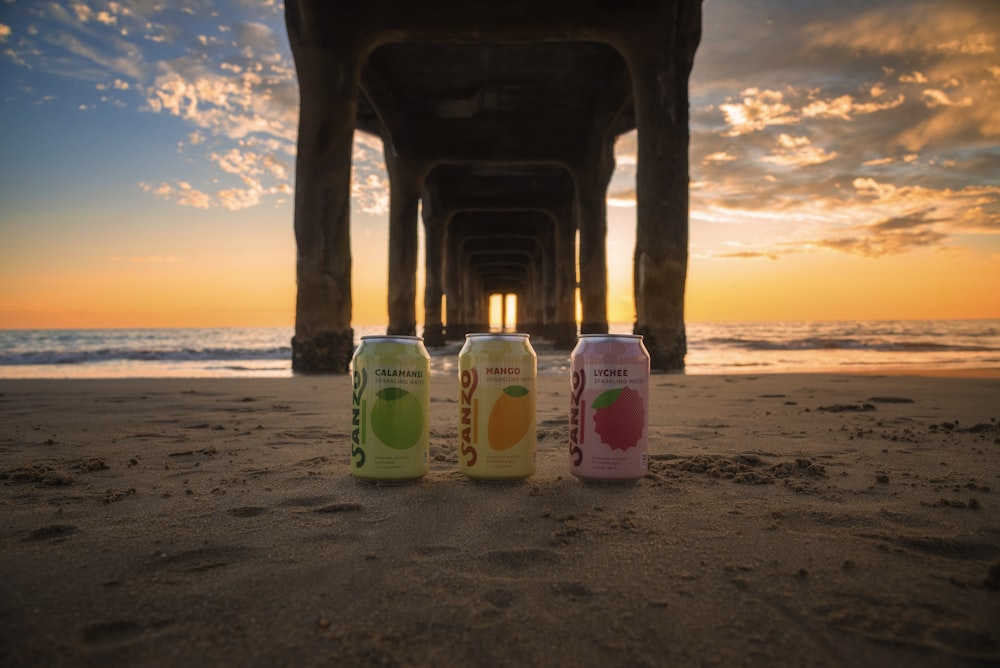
x=482 y=86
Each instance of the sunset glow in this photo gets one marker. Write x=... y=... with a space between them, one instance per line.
x=843 y=161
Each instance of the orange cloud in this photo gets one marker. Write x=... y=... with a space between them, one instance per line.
x=845 y=107
x=183 y=193
x=757 y=110
x=797 y=152
x=921 y=27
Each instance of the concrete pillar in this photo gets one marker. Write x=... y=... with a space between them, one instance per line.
x=546 y=291
x=328 y=84
x=468 y=291
x=592 y=179
x=480 y=318
x=453 y=287
x=405 y=183
x=433 y=268
x=564 y=334
x=472 y=305
x=660 y=66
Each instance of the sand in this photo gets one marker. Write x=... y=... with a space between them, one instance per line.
x=801 y=520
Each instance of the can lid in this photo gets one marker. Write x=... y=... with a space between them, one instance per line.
x=497 y=336
x=388 y=338
x=612 y=336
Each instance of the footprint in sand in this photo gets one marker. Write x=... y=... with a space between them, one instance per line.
x=247 y=511
x=52 y=532
x=118 y=631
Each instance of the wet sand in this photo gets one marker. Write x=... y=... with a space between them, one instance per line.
x=806 y=520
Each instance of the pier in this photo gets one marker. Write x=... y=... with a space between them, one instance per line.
x=499 y=122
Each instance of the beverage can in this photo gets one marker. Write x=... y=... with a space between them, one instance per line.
x=609 y=407
x=497 y=432
x=390 y=408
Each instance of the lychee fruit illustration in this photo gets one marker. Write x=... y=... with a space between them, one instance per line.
x=619 y=418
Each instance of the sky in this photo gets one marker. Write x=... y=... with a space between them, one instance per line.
x=845 y=165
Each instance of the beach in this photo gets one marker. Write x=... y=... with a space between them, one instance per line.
x=787 y=519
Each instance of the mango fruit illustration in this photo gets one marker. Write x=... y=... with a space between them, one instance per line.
x=397 y=418
x=619 y=418
x=510 y=417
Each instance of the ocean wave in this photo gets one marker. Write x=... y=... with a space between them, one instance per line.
x=841 y=343
x=748 y=347
x=71 y=357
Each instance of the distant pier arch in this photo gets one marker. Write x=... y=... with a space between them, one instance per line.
x=474 y=88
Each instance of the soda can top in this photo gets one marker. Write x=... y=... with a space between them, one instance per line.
x=505 y=336
x=611 y=337
x=392 y=345
x=610 y=344
x=391 y=338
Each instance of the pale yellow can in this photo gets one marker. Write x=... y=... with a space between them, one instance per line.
x=497 y=436
x=390 y=408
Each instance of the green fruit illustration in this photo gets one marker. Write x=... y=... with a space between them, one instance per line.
x=397 y=418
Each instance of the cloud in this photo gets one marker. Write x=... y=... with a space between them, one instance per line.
x=144 y=259
x=969 y=208
x=748 y=255
x=884 y=238
x=124 y=59
x=938 y=98
x=757 y=110
x=871 y=116
x=944 y=53
x=256 y=40
x=846 y=107
x=932 y=28
x=235 y=90
x=907 y=222
x=718 y=157
x=182 y=193
x=227 y=104
x=369 y=192
x=84 y=14
x=797 y=152
x=916 y=77
x=891 y=160
x=848 y=134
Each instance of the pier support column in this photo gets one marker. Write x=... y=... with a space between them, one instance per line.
x=433 y=267
x=660 y=65
x=592 y=179
x=547 y=293
x=328 y=84
x=405 y=184
x=564 y=334
x=453 y=288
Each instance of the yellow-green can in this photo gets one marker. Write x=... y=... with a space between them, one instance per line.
x=390 y=408
x=497 y=432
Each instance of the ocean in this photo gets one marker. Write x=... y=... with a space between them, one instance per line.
x=713 y=348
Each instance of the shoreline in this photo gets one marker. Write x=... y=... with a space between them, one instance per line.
x=795 y=519
x=920 y=371
x=712 y=348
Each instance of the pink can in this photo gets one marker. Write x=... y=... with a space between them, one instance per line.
x=609 y=408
